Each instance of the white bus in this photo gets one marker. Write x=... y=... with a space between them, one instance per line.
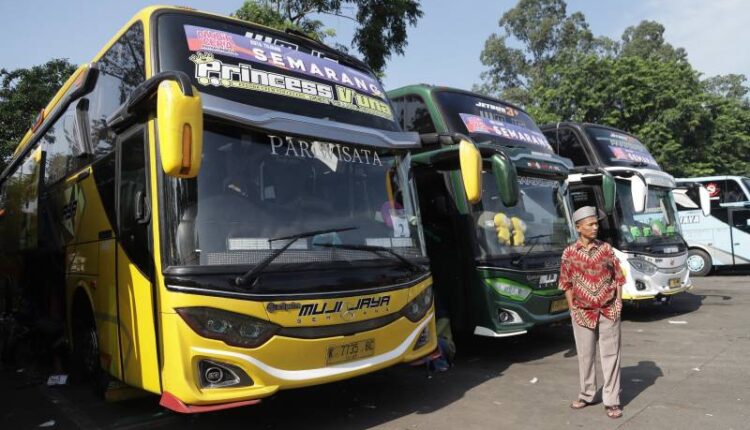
x=723 y=237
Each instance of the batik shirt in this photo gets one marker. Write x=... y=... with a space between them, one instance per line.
x=594 y=275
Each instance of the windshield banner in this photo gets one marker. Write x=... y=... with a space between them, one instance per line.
x=282 y=57
x=626 y=148
x=477 y=124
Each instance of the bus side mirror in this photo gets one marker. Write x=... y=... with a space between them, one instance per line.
x=179 y=118
x=506 y=180
x=705 y=199
x=471 y=170
x=608 y=190
x=638 y=190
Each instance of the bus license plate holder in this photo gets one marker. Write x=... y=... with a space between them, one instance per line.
x=341 y=353
x=674 y=283
x=558 y=305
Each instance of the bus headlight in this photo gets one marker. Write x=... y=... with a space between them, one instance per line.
x=643 y=266
x=417 y=308
x=231 y=328
x=514 y=292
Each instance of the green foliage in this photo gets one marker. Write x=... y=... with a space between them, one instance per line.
x=643 y=85
x=381 y=25
x=23 y=93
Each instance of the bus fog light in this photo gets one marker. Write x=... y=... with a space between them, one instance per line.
x=423 y=338
x=506 y=316
x=640 y=285
x=213 y=374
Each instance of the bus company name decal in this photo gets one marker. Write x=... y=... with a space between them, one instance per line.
x=212 y=72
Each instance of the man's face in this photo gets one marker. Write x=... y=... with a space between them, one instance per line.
x=588 y=227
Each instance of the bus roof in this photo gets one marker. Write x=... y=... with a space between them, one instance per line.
x=50 y=111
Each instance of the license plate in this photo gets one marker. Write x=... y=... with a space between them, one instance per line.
x=350 y=351
x=558 y=306
x=674 y=283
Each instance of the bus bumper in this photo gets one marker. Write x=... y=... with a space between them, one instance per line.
x=509 y=318
x=281 y=363
x=660 y=284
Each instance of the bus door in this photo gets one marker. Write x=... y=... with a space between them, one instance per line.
x=136 y=296
x=739 y=220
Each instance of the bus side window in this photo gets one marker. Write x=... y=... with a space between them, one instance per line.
x=416 y=116
x=65 y=148
x=399 y=107
x=565 y=142
x=733 y=193
x=121 y=69
x=133 y=212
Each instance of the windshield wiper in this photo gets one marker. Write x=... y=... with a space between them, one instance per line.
x=253 y=273
x=376 y=249
x=517 y=261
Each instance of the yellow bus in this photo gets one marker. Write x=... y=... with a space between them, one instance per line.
x=224 y=210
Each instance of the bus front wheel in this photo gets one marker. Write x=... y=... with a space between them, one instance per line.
x=699 y=262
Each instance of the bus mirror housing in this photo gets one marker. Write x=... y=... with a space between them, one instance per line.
x=179 y=118
x=705 y=200
x=638 y=189
x=506 y=180
x=608 y=190
x=471 y=170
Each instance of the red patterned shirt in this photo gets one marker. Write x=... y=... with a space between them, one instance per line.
x=593 y=275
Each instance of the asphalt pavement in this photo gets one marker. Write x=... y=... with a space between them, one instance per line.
x=684 y=366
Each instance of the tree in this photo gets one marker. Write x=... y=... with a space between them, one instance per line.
x=23 y=93
x=559 y=71
x=546 y=35
x=381 y=29
x=646 y=40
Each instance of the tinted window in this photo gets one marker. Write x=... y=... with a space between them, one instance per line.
x=121 y=69
x=567 y=144
x=413 y=115
x=733 y=192
x=65 y=151
x=133 y=200
x=254 y=66
x=19 y=202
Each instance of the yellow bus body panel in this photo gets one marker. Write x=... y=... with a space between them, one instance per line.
x=283 y=362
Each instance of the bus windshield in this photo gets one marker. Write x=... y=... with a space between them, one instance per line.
x=254 y=186
x=537 y=225
x=620 y=149
x=657 y=225
x=256 y=66
x=490 y=120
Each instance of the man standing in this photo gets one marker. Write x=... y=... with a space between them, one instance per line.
x=592 y=280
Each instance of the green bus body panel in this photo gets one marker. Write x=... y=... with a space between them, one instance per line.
x=457 y=278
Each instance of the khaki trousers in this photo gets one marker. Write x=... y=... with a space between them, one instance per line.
x=607 y=335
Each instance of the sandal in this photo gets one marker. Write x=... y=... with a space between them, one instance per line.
x=580 y=404
x=613 y=412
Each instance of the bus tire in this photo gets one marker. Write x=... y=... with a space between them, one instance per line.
x=699 y=262
x=86 y=368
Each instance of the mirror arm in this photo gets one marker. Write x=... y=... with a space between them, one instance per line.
x=143 y=97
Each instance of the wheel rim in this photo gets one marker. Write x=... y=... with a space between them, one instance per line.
x=696 y=263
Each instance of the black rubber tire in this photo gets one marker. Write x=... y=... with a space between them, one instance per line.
x=698 y=255
x=85 y=349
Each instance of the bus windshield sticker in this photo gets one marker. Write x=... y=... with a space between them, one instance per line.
x=213 y=72
x=280 y=56
x=400 y=224
x=298 y=148
x=502 y=110
x=477 y=124
x=627 y=148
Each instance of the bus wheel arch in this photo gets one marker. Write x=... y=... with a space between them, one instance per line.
x=85 y=340
x=699 y=262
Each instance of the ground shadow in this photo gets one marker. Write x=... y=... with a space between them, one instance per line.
x=636 y=379
x=680 y=304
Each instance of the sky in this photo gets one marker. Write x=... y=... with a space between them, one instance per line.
x=443 y=49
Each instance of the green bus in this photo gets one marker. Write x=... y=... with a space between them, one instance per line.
x=495 y=258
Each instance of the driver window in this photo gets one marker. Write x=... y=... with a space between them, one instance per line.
x=567 y=144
